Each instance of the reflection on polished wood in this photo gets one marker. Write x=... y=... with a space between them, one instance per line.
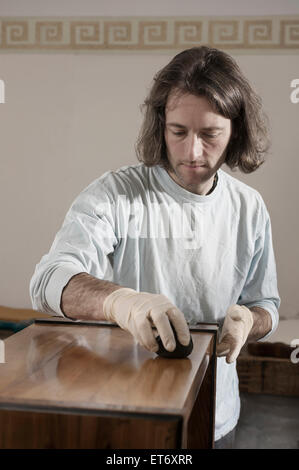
x=73 y=385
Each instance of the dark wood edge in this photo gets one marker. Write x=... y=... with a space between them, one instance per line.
x=64 y=321
x=213 y=363
x=201 y=372
x=204 y=327
x=252 y=359
x=7 y=406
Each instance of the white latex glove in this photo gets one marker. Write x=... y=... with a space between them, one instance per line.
x=137 y=312
x=236 y=328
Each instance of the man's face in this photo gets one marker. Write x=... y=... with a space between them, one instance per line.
x=196 y=138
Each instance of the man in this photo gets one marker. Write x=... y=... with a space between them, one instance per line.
x=175 y=238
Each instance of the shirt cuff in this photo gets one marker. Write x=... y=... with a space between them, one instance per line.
x=56 y=284
x=271 y=309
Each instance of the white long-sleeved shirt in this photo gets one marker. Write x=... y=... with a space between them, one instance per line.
x=138 y=228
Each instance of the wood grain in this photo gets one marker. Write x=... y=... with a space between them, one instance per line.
x=80 y=373
x=41 y=430
x=268 y=375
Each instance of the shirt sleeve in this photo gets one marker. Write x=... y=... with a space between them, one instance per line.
x=260 y=288
x=85 y=243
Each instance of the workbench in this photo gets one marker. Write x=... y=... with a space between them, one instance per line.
x=79 y=385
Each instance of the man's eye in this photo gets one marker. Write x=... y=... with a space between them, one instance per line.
x=179 y=133
x=211 y=136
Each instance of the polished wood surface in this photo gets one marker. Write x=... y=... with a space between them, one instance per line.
x=97 y=377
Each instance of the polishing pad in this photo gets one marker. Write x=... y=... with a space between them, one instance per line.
x=180 y=350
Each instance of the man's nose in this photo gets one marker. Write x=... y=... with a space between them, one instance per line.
x=196 y=147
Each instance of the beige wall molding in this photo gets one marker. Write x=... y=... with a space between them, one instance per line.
x=98 y=34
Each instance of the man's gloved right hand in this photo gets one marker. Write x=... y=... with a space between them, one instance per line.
x=137 y=312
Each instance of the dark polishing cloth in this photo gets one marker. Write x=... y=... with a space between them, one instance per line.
x=180 y=351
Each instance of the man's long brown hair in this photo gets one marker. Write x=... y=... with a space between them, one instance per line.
x=208 y=72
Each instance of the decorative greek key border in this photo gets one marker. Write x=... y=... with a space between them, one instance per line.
x=96 y=34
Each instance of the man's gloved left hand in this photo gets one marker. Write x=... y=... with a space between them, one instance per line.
x=236 y=328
